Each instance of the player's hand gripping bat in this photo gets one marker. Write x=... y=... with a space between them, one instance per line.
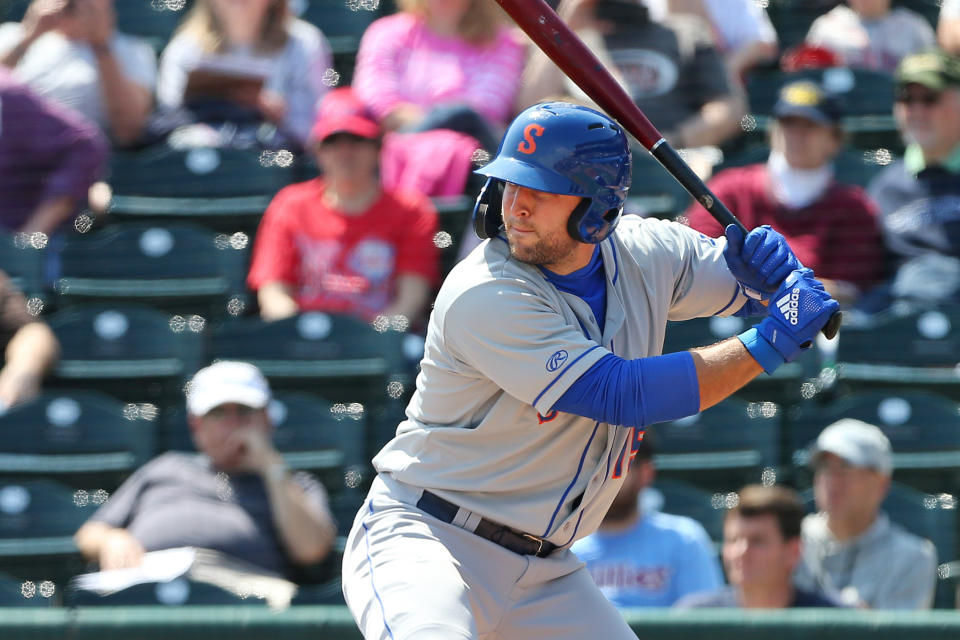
x=568 y=52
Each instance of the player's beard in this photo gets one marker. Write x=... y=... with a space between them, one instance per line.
x=548 y=249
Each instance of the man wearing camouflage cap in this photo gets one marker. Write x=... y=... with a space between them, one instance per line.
x=919 y=196
x=851 y=550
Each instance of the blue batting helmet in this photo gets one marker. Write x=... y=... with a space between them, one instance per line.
x=560 y=148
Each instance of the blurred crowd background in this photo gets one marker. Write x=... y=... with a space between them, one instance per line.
x=287 y=182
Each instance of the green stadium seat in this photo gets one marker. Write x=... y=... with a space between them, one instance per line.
x=792 y=19
x=179 y=267
x=136 y=354
x=339 y=357
x=225 y=189
x=23 y=258
x=653 y=191
x=38 y=518
x=343 y=22
x=455 y=214
x=153 y=20
x=732 y=443
x=867 y=100
x=929 y=9
x=82 y=438
x=23 y=593
x=923 y=427
x=903 y=346
x=681 y=498
x=930 y=516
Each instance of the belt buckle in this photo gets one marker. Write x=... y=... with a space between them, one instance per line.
x=539 y=542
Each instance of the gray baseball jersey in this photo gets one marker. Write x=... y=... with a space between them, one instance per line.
x=503 y=344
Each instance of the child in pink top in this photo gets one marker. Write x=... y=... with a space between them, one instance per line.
x=438 y=64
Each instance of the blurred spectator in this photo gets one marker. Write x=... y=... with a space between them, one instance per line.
x=919 y=196
x=235 y=64
x=49 y=158
x=236 y=496
x=761 y=549
x=647 y=559
x=851 y=550
x=29 y=347
x=341 y=243
x=948 y=26
x=832 y=227
x=670 y=69
x=869 y=34
x=742 y=29
x=70 y=52
x=441 y=64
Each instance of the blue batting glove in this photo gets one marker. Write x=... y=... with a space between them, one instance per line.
x=797 y=312
x=760 y=261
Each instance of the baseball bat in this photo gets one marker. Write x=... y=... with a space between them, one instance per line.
x=561 y=44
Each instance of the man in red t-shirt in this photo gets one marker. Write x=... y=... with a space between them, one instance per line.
x=340 y=243
x=832 y=227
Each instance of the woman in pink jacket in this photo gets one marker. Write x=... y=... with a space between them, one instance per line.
x=441 y=64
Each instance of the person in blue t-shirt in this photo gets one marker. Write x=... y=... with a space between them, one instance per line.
x=647 y=559
x=761 y=549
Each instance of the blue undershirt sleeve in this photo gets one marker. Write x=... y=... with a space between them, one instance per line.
x=635 y=393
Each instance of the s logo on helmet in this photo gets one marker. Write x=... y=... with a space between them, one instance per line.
x=528 y=144
x=557 y=360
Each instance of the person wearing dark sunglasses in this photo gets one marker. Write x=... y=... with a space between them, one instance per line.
x=919 y=195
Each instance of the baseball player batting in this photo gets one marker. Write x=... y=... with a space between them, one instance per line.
x=541 y=370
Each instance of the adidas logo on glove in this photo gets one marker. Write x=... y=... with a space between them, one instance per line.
x=789 y=306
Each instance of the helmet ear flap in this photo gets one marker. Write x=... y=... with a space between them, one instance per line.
x=576 y=217
x=597 y=227
x=488 y=210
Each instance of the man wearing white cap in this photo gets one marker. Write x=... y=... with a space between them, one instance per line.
x=236 y=496
x=851 y=550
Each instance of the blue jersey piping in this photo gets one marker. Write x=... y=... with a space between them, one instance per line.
x=572 y=482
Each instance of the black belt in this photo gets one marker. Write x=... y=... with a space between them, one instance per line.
x=516 y=541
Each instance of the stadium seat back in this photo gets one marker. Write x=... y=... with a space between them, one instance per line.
x=653 y=191
x=179 y=267
x=19 y=593
x=137 y=354
x=74 y=434
x=923 y=426
x=684 y=499
x=160 y=171
x=341 y=358
x=736 y=437
x=23 y=259
x=153 y=20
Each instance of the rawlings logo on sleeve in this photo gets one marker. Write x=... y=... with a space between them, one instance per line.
x=557 y=360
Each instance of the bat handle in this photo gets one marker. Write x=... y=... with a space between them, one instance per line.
x=680 y=170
